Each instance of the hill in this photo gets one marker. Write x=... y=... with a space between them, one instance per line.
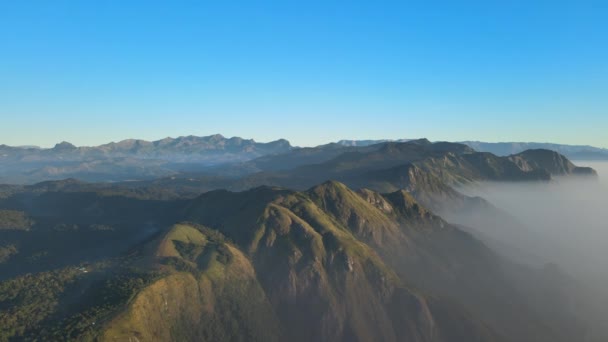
x=327 y=263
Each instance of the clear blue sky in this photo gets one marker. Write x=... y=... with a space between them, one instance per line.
x=310 y=71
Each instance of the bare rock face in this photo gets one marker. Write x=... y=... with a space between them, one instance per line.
x=376 y=200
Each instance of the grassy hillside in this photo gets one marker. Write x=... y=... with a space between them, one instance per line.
x=305 y=241
x=325 y=264
x=210 y=294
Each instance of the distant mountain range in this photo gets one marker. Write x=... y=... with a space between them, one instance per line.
x=427 y=170
x=573 y=152
x=368 y=142
x=211 y=149
x=338 y=242
x=135 y=159
x=128 y=159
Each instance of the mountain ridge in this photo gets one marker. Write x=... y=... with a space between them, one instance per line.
x=129 y=159
x=136 y=159
x=326 y=263
x=575 y=152
x=331 y=236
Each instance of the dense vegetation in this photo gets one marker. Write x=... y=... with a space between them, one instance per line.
x=14 y=220
x=6 y=251
x=71 y=303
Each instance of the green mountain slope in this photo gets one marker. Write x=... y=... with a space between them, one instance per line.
x=327 y=263
x=326 y=288
x=365 y=233
x=210 y=293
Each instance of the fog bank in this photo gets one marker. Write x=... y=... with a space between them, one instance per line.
x=564 y=221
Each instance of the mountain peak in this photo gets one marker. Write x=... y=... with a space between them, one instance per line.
x=280 y=142
x=215 y=137
x=422 y=141
x=64 y=146
x=404 y=203
x=551 y=161
x=330 y=186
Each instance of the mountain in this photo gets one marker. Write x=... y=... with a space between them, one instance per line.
x=573 y=152
x=368 y=142
x=551 y=161
x=132 y=160
x=332 y=243
x=129 y=159
x=290 y=159
x=326 y=264
x=192 y=148
x=427 y=170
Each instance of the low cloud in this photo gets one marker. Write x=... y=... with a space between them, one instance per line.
x=564 y=221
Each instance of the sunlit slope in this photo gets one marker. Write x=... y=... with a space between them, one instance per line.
x=307 y=274
x=325 y=264
x=328 y=264
x=291 y=236
x=210 y=294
